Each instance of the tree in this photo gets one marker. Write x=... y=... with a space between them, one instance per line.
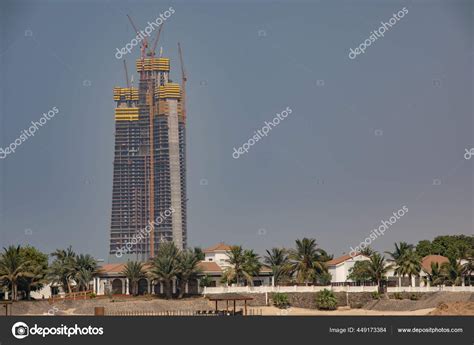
x=452 y=272
x=85 y=268
x=165 y=267
x=37 y=266
x=377 y=268
x=63 y=269
x=133 y=271
x=13 y=267
x=424 y=248
x=452 y=246
x=307 y=260
x=468 y=267
x=251 y=265
x=408 y=264
x=244 y=265
x=188 y=268
x=236 y=260
x=400 y=249
x=277 y=259
x=367 y=251
x=199 y=253
x=360 y=271
x=434 y=277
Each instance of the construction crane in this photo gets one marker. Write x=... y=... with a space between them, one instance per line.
x=144 y=44
x=126 y=73
x=184 y=78
x=152 y=53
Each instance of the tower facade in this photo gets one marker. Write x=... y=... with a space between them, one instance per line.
x=149 y=180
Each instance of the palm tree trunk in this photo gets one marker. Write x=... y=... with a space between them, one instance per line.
x=182 y=288
x=14 y=292
x=168 y=291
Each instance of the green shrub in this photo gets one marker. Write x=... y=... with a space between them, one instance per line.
x=375 y=295
x=414 y=297
x=280 y=300
x=397 y=295
x=92 y=295
x=326 y=300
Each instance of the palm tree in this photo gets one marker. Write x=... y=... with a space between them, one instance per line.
x=133 y=271
x=85 y=269
x=377 y=268
x=63 y=268
x=188 y=268
x=468 y=267
x=307 y=260
x=236 y=260
x=277 y=259
x=434 y=277
x=244 y=265
x=13 y=266
x=367 y=251
x=452 y=272
x=408 y=264
x=251 y=265
x=164 y=266
x=400 y=249
x=199 y=253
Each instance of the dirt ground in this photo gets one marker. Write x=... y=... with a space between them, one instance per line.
x=272 y=311
x=456 y=308
x=434 y=304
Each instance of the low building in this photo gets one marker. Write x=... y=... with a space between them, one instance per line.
x=340 y=267
x=111 y=279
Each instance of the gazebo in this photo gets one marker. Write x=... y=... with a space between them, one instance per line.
x=230 y=297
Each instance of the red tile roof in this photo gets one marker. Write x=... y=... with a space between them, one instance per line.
x=217 y=247
x=340 y=259
x=117 y=268
x=427 y=260
x=209 y=266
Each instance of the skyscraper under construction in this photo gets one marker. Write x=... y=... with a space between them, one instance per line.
x=149 y=179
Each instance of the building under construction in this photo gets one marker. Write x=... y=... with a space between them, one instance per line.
x=149 y=179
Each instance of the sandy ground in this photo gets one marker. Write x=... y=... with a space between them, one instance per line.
x=437 y=304
x=456 y=308
x=272 y=311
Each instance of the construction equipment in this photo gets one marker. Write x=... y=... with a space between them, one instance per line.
x=126 y=73
x=156 y=41
x=184 y=78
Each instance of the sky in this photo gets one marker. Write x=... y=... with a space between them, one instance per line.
x=366 y=136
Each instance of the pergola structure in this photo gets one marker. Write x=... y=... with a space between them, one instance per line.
x=234 y=297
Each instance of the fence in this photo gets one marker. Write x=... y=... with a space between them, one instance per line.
x=71 y=296
x=299 y=289
x=101 y=312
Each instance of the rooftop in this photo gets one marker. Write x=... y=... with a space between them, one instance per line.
x=219 y=247
x=427 y=260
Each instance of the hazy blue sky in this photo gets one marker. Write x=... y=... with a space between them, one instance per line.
x=384 y=130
